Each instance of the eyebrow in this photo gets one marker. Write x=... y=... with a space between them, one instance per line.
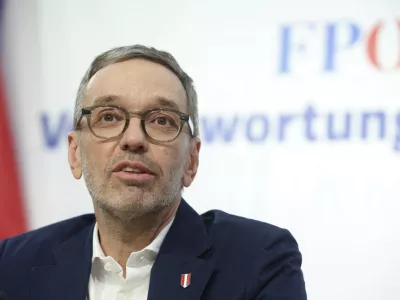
x=107 y=99
x=165 y=102
x=159 y=101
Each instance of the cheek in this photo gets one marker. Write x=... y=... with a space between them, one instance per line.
x=98 y=155
x=169 y=158
x=172 y=155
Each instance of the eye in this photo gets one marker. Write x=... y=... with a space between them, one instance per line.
x=105 y=116
x=163 y=120
x=108 y=117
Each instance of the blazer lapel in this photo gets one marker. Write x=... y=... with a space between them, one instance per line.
x=68 y=278
x=183 y=265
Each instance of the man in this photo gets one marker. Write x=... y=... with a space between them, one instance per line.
x=136 y=143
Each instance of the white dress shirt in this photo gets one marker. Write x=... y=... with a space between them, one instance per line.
x=106 y=279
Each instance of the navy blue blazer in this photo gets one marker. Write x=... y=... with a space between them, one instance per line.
x=228 y=257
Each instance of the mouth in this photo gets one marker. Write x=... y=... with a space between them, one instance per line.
x=133 y=171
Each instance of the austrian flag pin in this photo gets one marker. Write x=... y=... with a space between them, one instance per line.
x=185 y=280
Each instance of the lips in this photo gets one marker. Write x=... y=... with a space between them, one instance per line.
x=133 y=171
x=132 y=167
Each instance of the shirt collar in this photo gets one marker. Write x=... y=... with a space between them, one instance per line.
x=153 y=247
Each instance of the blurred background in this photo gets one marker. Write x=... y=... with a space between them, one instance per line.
x=299 y=116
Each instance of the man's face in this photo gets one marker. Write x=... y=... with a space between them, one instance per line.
x=136 y=85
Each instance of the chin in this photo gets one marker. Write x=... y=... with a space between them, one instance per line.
x=132 y=200
x=134 y=204
x=124 y=211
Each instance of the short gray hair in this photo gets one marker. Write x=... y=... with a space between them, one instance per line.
x=125 y=53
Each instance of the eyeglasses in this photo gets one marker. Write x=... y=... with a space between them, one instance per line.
x=111 y=121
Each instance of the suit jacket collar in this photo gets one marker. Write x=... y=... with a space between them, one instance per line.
x=187 y=235
x=182 y=255
x=182 y=259
x=68 y=277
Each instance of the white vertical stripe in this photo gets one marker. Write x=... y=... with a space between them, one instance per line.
x=185 y=280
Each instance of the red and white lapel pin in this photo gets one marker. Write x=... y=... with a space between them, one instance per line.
x=186 y=279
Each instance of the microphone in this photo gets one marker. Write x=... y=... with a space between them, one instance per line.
x=3 y=296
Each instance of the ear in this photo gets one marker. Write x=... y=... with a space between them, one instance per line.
x=193 y=162
x=74 y=156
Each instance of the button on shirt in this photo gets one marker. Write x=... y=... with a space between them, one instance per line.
x=106 y=279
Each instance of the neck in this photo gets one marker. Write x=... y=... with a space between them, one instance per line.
x=119 y=239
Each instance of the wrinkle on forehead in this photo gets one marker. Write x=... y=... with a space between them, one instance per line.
x=136 y=82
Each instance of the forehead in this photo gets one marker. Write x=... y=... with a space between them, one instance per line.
x=136 y=84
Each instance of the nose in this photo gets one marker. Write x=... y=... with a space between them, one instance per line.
x=134 y=139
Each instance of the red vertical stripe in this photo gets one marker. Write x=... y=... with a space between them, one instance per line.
x=183 y=280
x=12 y=219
